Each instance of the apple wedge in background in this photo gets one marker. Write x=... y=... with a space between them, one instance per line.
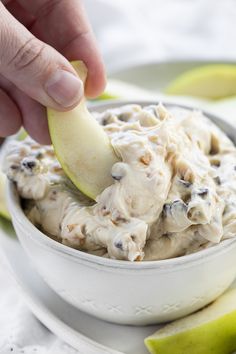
x=214 y=81
x=208 y=331
x=81 y=145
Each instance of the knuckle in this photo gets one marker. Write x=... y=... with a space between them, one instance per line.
x=29 y=53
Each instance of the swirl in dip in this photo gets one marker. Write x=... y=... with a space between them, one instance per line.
x=174 y=189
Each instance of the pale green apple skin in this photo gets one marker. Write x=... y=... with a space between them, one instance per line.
x=211 y=330
x=217 y=337
x=21 y=135
x=211 y=81
x=3 y=204
x=81 y=146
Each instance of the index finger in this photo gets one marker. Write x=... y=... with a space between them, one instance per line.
x=64 y=25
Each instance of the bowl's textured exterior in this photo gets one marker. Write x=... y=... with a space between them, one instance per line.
x=123 y=292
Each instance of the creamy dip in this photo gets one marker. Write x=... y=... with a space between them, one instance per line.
x=174 y=189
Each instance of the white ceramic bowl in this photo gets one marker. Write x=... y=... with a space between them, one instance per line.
x=123 y=292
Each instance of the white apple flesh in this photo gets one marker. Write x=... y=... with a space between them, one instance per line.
x=81 y=145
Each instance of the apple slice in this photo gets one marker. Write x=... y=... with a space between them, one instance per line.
x=209 y=331
x=3 y=203
x=81 y=145
x=210 y=81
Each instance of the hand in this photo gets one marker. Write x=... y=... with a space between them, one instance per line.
x=37 y=38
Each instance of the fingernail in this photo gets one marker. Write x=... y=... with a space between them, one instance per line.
x=64 y=88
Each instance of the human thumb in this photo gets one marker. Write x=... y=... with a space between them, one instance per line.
x=36 y=68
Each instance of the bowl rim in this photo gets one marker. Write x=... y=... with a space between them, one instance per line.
x=13 y=201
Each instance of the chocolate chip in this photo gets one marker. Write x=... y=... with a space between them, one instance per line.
x=53 y=195
x=14 y=167
x=186 y=197
x=166 y=208
x=175 y=201
x=83 y=229
x=167 y=234
x=29 y=164
x=124 y=117
x=186 y=184
x=106 y=118
x=39 y=155
x=176 y=204
x=119 y=245
x=203 y=192
x=217 y=180
x=117 y=177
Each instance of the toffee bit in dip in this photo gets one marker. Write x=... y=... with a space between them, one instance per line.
x=33 y=146
x=56 y=168
x=106 y=213
x=115 y=222
x=215 y=145
x=49 y=152
x=153 y=138
x=166 y=199
x=71 y=227
x=215 y=162
x=146 y=159
x=138 y=259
